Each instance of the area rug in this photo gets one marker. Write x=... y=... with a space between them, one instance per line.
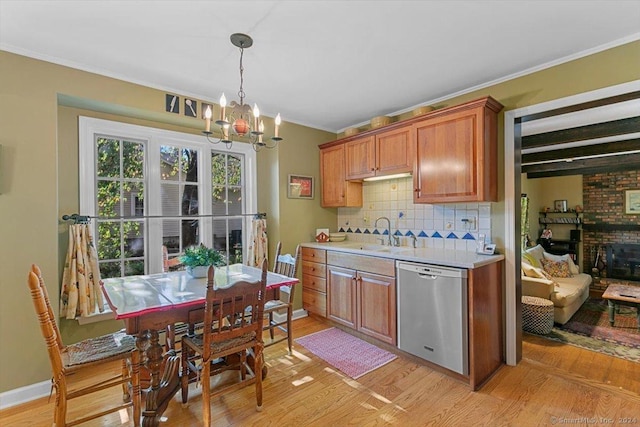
x=589 y=329
x=345 y=352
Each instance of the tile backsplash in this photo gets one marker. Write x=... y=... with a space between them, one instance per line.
x=447 y=226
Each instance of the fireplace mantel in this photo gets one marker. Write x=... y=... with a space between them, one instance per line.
x=610 y=227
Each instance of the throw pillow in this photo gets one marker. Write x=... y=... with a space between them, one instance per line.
x=537 y=273
x=573 y=268
x=556 y=269
x=530 y=259
x=537 y=252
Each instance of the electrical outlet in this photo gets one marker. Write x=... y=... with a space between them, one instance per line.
x=469 y=223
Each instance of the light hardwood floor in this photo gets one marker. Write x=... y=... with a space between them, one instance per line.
x=554 y=384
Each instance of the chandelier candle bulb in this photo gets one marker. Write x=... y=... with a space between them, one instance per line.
x=223 y=105
x=207 y=119
x=256 y=116
x=278 y=121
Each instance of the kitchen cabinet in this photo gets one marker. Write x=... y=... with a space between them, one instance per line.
x=384 y=153
x=314 y=283
x=457 y=154
x=361 y=294
x=336 y=190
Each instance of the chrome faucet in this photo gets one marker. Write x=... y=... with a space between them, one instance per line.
x=396 y=239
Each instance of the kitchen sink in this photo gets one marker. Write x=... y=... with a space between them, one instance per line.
x=380 y=248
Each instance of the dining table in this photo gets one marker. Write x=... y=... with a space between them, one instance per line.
x=149 y=303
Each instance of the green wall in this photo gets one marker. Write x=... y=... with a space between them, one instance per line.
x=38 y=182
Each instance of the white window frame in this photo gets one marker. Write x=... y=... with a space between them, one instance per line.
x=153 y=138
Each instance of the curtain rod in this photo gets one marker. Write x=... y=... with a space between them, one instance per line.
x=84 y=219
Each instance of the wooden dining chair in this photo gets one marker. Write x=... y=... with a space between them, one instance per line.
x=67 y=360
x=286 y=265
x=174 y=331
x=232 y=335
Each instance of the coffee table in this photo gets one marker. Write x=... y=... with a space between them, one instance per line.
x=623 y=295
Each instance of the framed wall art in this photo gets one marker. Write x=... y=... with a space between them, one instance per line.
x=300 y=187
x=632 y=202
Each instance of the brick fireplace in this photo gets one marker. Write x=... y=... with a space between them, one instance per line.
x=606 y=224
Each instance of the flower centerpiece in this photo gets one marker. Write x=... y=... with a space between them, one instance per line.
x=197 y=259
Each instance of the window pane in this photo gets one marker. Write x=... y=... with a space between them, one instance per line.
x=109 y=199
x=133 y=160
x=235 y=241
x=134 y=268
x=109 y=243
x=190 y=165
x=134 y=239
x=108 y=161
x=190 y=232
x=110 y=269
x=218 y=169
x=169 y=163
x=219 y=200
x=190 y=200
x=234 y=204
x=234 y=170
x=220 y=234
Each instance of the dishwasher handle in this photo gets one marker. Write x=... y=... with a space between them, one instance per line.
x=428 y=276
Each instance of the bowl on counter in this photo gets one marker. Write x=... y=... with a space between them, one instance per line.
x=337 y=237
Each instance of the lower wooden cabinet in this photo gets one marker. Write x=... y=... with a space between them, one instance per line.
x=362 y=300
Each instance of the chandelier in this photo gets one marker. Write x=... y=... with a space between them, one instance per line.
x=239 y=119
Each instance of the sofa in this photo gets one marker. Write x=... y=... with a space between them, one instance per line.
x=556 y=278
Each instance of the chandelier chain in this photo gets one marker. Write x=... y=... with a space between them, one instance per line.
x=241 y=93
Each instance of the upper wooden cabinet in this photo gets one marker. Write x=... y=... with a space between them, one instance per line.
x=336 y=190
x=384 y=153
x=457 y=154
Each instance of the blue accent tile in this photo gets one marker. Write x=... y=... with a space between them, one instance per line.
x=397 y=233
x=366 y=231
x=358 y=230
x=341 y=230
x=375 y=231
x=385 y=232
x=452 y=236
x=349 y=230
x=468 y=237
x=422 y=234
x=409 y=233
x=436 y=235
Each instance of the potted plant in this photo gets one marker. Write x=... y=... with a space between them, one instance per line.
x=197 y=259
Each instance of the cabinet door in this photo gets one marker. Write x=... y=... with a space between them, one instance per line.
x=395 y=151
x=448 y=157
x=377 y=306
x=360 y=155
x=341 y=295
x=336 y=190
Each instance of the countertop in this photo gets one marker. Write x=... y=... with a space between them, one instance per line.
x=448 y=258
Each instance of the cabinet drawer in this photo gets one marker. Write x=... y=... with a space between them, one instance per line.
x=314 y=255
x=370 y=264
x=315 y=283
x=315 y=302
x=314 y=269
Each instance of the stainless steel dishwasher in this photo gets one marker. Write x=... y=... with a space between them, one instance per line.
x=432 y=314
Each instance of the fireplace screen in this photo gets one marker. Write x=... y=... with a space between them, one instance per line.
x=623 y=261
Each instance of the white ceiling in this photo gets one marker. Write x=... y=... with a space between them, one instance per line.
x=326 y=64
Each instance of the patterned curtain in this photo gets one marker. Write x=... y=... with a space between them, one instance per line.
x=81 y=294
x=524 y=221
x=258 y=248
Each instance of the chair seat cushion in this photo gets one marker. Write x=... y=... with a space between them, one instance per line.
x=275 y=304
x=221 y=346
x=98 y=349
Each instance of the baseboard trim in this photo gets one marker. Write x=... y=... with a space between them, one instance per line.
x=31 y=392
x=24 y=394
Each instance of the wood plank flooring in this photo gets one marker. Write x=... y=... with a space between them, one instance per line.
x=554 y=384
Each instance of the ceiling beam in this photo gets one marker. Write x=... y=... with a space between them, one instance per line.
x=582 y=133
x=581 y=107
x=584 y=166
x=582 y=151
